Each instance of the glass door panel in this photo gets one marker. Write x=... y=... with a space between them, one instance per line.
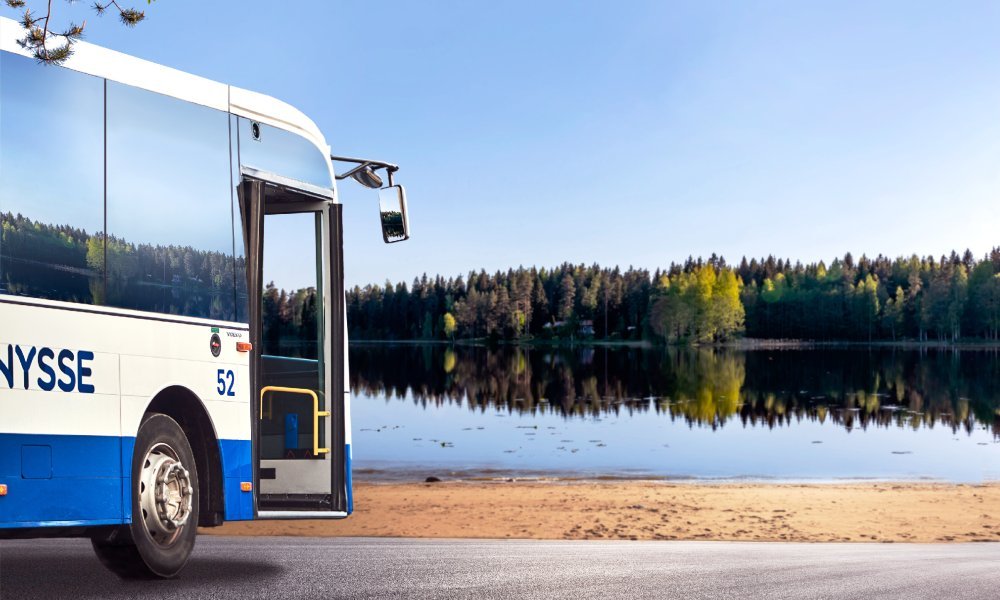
x=292 y=339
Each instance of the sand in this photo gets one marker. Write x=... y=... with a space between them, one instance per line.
x=637 y=510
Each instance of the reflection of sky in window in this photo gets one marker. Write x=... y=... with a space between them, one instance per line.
x=51 y=125
x=168 y=171
x=290 y=251
x=283 y=153
x=235 y=176
x=289 y=240
x=168 y=166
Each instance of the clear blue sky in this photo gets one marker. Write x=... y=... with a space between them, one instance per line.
x=628 y=132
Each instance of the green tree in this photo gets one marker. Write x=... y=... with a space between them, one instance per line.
x=892 y=315
x=701 y=292
x=95 y=253
x=697 y=306
x=867 y=297
x=672 y=317
x=427 y=330
x=728 y=311
x=567 y=296
x=958 y=293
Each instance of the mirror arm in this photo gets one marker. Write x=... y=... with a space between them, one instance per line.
x=361 y=163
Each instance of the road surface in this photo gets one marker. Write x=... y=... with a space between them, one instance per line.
x=230 y=567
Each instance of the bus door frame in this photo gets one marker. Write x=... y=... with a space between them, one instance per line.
x=252 y=193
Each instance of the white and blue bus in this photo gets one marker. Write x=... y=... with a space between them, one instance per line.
x=172 y=322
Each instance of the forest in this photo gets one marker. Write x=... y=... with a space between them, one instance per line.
x=946 y=299
x=62 y=262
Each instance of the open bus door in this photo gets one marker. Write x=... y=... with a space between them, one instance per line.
x=295 y=279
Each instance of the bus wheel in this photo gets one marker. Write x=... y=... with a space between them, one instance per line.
x=161 y=536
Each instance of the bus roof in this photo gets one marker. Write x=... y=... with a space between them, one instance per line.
x=129 y=70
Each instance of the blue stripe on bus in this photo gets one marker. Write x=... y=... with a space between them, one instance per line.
x=76 y=480
x=236 y=469
x=81 y=485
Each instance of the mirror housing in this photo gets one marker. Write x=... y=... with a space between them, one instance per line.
x=392 y=214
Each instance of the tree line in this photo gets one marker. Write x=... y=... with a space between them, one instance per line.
x=944 y=299
x=947 y=299
x=506 y=305
x=63 y=262
x=912 y=298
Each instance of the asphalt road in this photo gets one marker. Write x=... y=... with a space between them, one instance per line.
x=229 y=567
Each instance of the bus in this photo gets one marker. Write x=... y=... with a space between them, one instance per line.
x=172 y=310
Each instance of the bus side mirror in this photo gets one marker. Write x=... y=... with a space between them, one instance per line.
x=392 y=213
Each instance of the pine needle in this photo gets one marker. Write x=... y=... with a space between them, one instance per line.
x=131 y=17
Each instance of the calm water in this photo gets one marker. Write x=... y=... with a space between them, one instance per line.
x=622 y=412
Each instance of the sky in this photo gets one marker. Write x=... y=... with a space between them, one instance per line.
x=627 y=133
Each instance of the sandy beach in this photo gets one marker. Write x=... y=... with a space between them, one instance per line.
x=643 y=510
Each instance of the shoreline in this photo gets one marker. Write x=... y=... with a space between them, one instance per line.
x=661 y=510
x=410 y=474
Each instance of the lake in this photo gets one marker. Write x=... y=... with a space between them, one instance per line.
x=687 y=414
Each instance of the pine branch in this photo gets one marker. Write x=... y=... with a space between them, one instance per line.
x=26 y=21
x=130 y=17
x=38 y=29
x=54 y=56
x=74 y=32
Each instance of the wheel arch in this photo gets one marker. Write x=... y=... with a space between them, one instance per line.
x=185 y=407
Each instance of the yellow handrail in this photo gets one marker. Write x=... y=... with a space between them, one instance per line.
x=317 y=413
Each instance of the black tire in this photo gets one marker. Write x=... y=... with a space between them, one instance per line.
x=138 y=550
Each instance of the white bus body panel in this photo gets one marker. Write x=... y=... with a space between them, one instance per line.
x=135 y=356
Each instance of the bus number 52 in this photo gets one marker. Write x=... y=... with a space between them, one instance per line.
x=226 y=380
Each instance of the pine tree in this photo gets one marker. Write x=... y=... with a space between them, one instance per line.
x=567 y=297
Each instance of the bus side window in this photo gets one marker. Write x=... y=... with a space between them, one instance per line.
x=52 y=189
x=170 y=221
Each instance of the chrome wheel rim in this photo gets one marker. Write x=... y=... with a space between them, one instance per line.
x=165 y=494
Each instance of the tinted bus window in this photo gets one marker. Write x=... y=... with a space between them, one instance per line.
x=170 y=221
x=51 y=182
x=284 y=153
x=291 y=318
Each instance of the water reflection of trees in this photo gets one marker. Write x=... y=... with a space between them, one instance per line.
x=706 y=387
